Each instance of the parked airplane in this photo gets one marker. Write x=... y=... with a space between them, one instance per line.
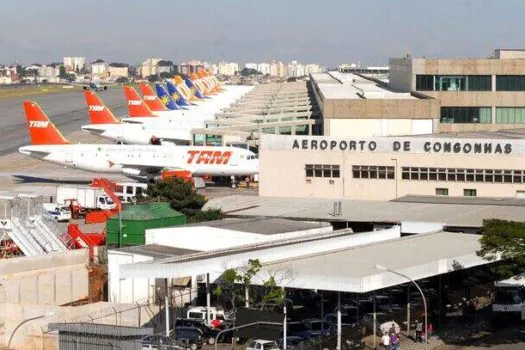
x=153 y=101
x=104 y=124
x=47 y=143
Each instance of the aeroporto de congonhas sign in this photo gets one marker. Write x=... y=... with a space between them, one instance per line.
x=432 y=145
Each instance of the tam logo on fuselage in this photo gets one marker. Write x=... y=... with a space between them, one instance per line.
x=95 y=108
x=40 y=124
x=134 y=103
x=150 y=98
x=209 y=157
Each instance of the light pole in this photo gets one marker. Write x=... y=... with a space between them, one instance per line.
x=24 y=322
x=384 y=268
x=395 y=173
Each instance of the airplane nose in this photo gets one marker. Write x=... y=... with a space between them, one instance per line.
x=24 y=150
x=92 y=130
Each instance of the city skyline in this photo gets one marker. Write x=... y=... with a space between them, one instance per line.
x=247 y=31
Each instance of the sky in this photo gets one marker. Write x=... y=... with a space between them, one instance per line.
x=328 y=32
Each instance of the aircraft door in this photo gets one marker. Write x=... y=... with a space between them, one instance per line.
x=234 y=160
x=69 y=156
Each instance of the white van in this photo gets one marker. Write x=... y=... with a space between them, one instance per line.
x=199 y=313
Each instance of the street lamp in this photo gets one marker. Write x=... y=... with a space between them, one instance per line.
x=24 y=322
x=384 y=268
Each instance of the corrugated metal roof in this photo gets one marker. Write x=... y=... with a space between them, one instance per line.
x=367 y=211
x=354 y=269
x=156 y=251
x=268 y=226
x=101 y=329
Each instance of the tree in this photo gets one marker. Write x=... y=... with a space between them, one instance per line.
x=153 y=78
x=183 y=198
x=166 y=75
x=506 y=240
x=249 y=71
x=62 y=74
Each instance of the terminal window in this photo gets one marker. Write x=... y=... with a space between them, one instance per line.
x=441 y=191
x=510 y=83
x=322 y=170
x=463 y=175
x=453 y=82
x=475 y=115
x=373 y=172
x=469 y=192
x=510 y=115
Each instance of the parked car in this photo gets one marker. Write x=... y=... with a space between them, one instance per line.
x=154 y=341
x=290 y=341
x=261 y=344
x=298 y=329
x=209 y=334
x=191 y=337
x=316 y=327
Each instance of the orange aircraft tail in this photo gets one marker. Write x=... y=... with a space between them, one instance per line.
x=136 y=106
x=150 y=97
x=41 y=130
x=97 y=110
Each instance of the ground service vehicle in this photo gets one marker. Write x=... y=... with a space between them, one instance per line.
x=95 y=86
x=58 y=212
x=87 y=197
x=200 y=313
x=509 y=298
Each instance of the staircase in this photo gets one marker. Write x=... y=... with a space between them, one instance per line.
x=24 y=239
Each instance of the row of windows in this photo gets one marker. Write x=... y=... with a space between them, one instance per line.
x=469 y=82
x=373 y=172
x=510 y=83
x=482 y=115
x=322 y=170
x=467 y=192
x=463 y=175
x=453 y=82
x=510 y=115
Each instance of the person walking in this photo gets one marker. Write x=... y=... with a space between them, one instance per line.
x=419 y=330
x=385 y=341
x=394 y=341
x=430 y=330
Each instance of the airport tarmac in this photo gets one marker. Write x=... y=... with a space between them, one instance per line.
x=67 y=110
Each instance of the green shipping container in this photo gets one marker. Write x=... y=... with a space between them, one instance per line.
x=136 y=219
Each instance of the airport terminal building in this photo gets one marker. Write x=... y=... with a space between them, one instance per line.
x=385 y=168
x=425 y=96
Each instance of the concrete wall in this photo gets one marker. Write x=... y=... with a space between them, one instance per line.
x=400 y=74
x=127 y=290
x=381 y=108
x=34 y=335
x=378 y=127
x=509 y=54
x=296 y=184
x=52 y=279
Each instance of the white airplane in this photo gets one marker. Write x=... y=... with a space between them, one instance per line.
x=106 y=125
x=138 y=160
x=139 y=112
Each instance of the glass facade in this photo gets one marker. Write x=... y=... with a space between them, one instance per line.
x=463 y=175
x=510 y=83
x=453 y=82
x=510 y=115
x=373 y=172
x=482 y=115
x=322 y=170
